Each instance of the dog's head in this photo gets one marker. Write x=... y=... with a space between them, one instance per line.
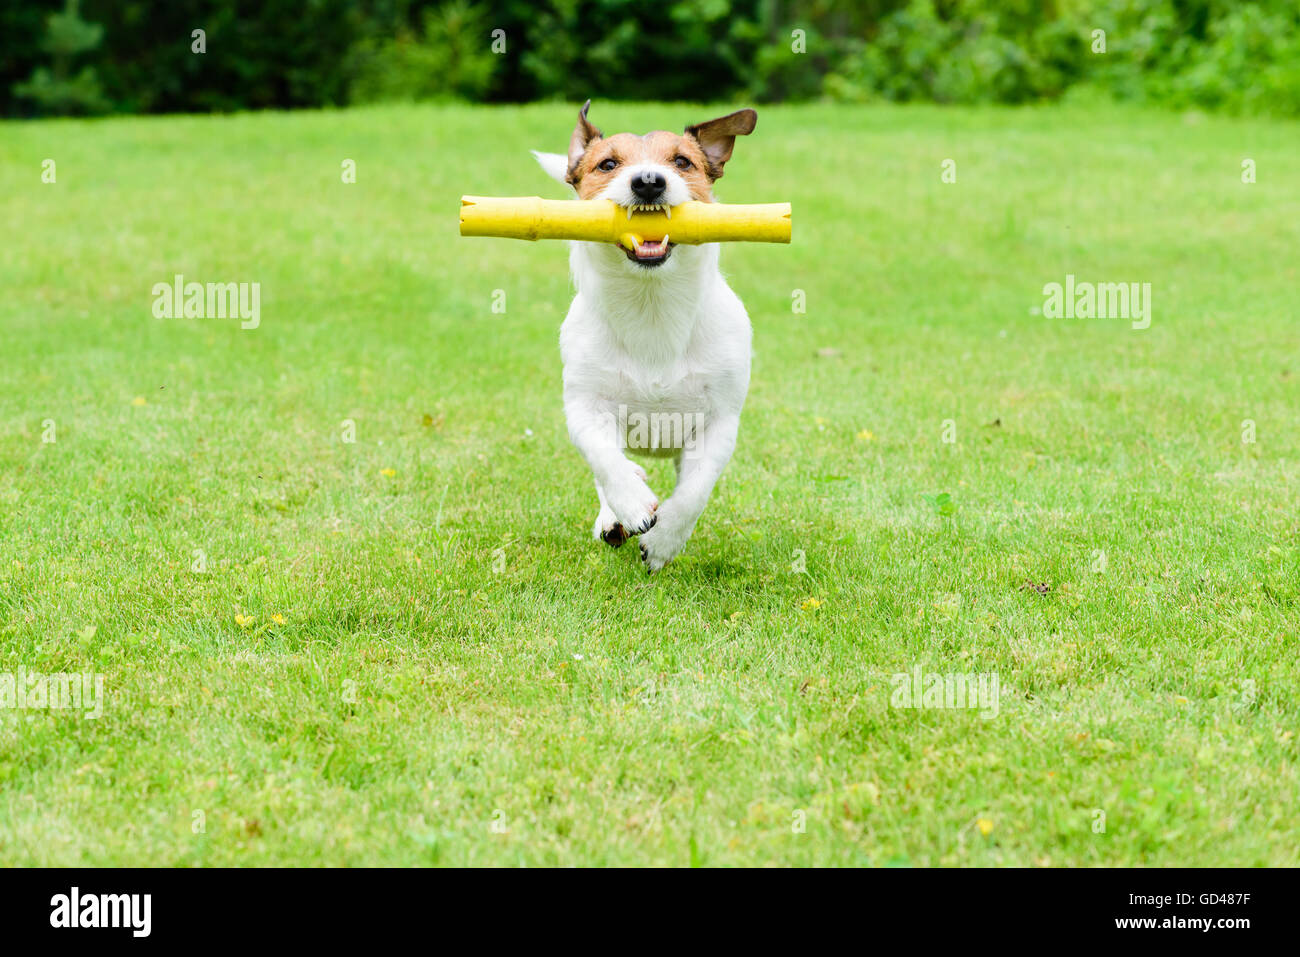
x=648 y=172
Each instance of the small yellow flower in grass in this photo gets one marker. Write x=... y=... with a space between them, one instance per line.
x=388 y=473
x=243 y=621
x=866 y=435
x=1179 y=699
x=139 y=400
x=985 y=826
x=278 y=619
x=811 y=604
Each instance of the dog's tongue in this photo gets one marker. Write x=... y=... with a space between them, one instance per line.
x=651 y=249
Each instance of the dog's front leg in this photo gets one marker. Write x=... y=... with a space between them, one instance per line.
x=698 y=471
x=620 y=482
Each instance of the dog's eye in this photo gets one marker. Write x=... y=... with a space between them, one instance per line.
x=682 y=163
x=607 y=165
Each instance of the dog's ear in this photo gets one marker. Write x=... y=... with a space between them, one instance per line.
x=717 y=137
x=555 y=165
x=583 y=136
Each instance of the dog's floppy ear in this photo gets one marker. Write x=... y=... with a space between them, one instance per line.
x=717 y=137
x=583 y=135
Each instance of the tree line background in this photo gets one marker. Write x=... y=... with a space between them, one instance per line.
x=92 y=57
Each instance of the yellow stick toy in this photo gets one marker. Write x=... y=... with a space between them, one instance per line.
x=602 y=221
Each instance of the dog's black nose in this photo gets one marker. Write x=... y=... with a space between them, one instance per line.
x=649 y=186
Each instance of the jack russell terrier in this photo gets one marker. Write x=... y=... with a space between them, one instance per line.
x=656 y=346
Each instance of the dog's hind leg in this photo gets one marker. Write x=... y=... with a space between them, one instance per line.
x=622 y=483
x=698 y=470
x=608 y=529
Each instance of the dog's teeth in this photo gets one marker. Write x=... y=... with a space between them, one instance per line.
x=668 y=211
x=664 y=242
x=629 y=211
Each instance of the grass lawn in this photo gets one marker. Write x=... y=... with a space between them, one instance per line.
x=407 y=649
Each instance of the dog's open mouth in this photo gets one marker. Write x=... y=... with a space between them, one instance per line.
x=648 y=252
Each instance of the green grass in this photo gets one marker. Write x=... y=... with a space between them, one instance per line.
x=456 y=650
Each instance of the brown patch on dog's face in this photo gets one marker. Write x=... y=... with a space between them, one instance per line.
x=604 y=159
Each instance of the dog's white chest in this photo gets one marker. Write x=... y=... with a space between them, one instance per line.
x=661 y=414
x=660 y=363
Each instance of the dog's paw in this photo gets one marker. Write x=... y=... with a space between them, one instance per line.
x=613 y=534
x=632 y=502
x=661 y=544
x=609 y=529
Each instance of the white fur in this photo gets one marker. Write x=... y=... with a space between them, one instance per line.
x=555 y=165
x=671 y=342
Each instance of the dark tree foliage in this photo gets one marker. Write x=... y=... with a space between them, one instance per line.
x=1218 y=54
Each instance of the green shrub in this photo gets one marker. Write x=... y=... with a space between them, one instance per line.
x=960 y=53
x=453 y=59
x=1228 y=55
x=631 y=49
x=55 y=89
x=1214 y=54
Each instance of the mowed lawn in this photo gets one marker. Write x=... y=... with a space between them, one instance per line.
x=406 y=649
